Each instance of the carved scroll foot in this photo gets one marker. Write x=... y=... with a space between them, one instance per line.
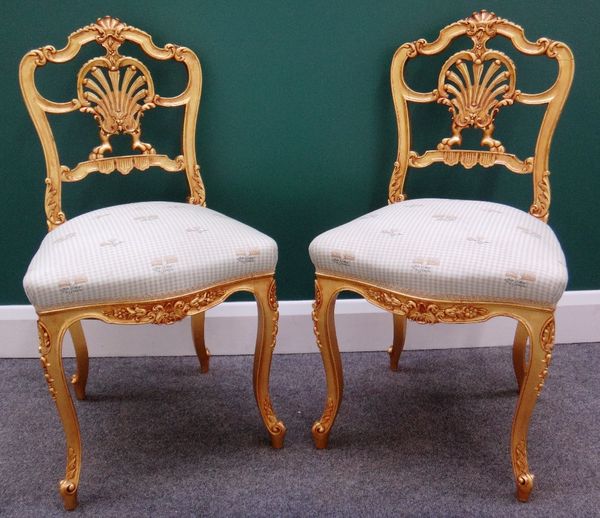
x=79 y=379
x=51 y=332
x=199 y=342
x=542 y=341
x=324 y=327
x=268 y=317
x=519 y=346
x=68 y=491
x=399 y=337
x=524 y=487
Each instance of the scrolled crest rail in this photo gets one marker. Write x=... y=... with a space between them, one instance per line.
x=116 y=90
x=476 y=84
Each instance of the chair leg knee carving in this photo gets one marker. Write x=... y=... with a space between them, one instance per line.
x=268 y=315
x=324 y=327
x=51 y=333
x=541 y=335
x=199 y=342
x=519 y=347
x=79 y=379
x=399 y=337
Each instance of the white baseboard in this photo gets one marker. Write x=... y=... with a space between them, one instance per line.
x=231 y=329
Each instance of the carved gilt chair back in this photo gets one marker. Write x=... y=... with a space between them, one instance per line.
x=116 y=90
x=475 y=84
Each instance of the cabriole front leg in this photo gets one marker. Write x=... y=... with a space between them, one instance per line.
x=519 y=347
x=324 y=327
x=51 y=333
x=541 y=328
x=79 y=379
x=399 y=337
x=199 y=342
x=268 y=316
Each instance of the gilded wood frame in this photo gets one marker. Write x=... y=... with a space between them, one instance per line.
x=130 y=94
x=481 y=27
x=111 y=33
x=534 y=324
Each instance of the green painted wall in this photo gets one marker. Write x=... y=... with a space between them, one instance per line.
x=296 y=131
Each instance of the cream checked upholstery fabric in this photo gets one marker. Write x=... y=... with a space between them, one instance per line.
x=143 y=251
x=448 y=249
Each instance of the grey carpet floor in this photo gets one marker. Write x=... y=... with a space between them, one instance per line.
x=431 y=440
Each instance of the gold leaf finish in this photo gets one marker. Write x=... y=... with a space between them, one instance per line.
x=475 y=84
x=274 y=305
x=469 y=159
x=424 y=312
x=547 y=345
x=524 y=477
x=116 y=90
x=275 y=426
x=537 y=323
x=542 y=198
x=315 y=312
x=166 y=313
x=322 y=425
x=122 y=164
x=54 y=216
x=68 y=486
x=44 y=350
x=116 y=93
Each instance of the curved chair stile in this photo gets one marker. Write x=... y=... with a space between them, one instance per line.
x=117 y=91
x=475 y=84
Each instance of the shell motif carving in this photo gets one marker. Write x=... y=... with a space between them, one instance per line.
x=475 y=87
x=116 y=93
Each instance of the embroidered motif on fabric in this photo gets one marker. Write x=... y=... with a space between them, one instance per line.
x=247 y=256
x=392 y=232
x=198 y=230
x=478 y=239
x=520 y=280
x=491 y=210
x=111 y=243
x=424 y=264
x=66 y=237
x=444 y=217
x=529 y=232
x=164 y=264
x=150 y=217
x=342 y=258
x=72 y=285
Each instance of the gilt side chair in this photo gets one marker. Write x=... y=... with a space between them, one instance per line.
x=139 y=263
x=457 y=261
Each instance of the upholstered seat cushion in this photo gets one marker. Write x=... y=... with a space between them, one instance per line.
x=448 y=249
x=143 y=251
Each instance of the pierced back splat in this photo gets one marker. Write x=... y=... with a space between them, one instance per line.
x=475 y=84
x=116 y=91
x=116 y=95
